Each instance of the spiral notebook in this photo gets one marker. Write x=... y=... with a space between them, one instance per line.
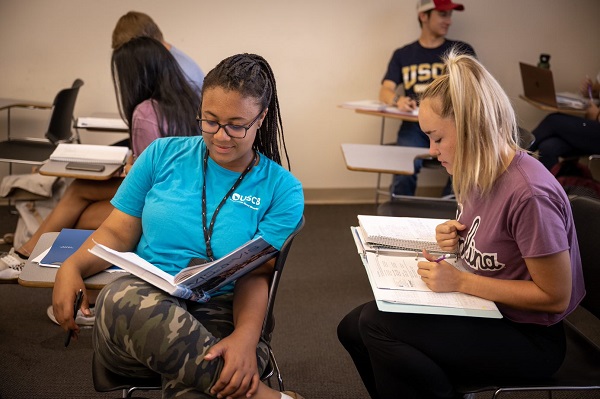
x=404 y=233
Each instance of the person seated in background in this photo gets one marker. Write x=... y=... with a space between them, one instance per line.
x=410 y=69
x=514 y=230
x=561 y=135
x=187 y=198
x=135 y=24
x=155 y=100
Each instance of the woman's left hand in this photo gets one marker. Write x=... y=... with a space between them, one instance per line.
x=439 y=276
x=239 y=377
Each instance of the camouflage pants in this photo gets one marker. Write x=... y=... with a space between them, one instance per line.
x=141 y=328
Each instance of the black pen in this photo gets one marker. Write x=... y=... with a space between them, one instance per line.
x=76 y=305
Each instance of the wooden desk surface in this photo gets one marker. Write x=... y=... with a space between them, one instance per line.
x=381 y=158
x=34 y=275
x=6 y=103
x=56 y=168
x=548 y=108
x=402 y=116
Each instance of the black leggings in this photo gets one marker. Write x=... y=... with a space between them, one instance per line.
x=561 y=135
x=402 y=355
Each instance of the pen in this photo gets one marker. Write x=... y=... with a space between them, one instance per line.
x=441 y=258
x=76 y=305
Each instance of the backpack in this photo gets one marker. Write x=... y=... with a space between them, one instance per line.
x=576 y=178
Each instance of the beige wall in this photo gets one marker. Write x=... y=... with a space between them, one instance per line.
x=323 y=52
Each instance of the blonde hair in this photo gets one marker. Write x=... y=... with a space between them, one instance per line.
x=135 y=24
x=486 y=126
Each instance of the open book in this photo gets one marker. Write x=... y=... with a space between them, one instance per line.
x=403 y=233
x=90 y=153
x=196 y=283
x=397 y=287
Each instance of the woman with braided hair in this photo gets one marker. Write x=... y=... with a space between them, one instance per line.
x=187 y=198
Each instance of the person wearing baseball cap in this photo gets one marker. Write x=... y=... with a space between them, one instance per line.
x=411 y=69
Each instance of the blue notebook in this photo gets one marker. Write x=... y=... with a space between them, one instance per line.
x=67 y=242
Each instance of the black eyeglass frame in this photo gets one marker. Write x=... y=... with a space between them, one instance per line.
x=224 y=127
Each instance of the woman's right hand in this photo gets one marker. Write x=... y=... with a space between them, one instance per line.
x=67 y=284
x=446 y=235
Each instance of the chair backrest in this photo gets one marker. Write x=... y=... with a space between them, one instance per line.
x=526 y=138
x=586 y=213
x=61 y=120
x=269 y=322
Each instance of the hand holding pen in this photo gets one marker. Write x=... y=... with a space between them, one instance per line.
x=76 y=306
x=438 y=275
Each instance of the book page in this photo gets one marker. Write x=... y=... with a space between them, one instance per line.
x=410 y=291
x=397 y=272
x=134 y=264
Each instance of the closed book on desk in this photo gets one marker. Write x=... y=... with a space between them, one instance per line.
x=102 y=123
x=90 y=153
x=405 y=233
x=67 y=242
x=195 y=283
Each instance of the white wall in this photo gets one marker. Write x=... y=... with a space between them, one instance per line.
x=323 y=52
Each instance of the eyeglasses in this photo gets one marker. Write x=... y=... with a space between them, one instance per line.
x=233 y=131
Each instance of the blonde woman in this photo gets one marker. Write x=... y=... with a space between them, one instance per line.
x=514 y=230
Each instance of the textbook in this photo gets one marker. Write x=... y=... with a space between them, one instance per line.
x=397 y=287
x=90 y=153
x=67 y=242
x=195 y=283
x=402 y=233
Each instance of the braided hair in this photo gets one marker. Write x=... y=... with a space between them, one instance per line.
x=251 y=76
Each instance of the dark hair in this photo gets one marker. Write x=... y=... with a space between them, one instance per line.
x=134 y=24
x=428 y=12
x=144 y=69
x=251 y=76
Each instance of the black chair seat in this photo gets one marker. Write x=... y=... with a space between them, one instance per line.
x=106 y=381
x=25 y=151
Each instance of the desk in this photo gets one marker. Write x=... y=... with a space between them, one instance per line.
x=549 y=108
x=381 y=159
x=9 y=103
x=56 y=168
x=34 y=275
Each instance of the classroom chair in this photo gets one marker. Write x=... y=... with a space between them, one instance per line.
x=36 y=150
x=581 y=368
x=107 y=381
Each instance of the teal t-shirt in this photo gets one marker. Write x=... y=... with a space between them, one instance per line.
x=164 y=189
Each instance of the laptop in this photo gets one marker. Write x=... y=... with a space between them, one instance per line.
x=538 y=85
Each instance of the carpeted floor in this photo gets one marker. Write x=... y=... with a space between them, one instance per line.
x=323 y=280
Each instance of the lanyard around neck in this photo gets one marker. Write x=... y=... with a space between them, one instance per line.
x=208 y=230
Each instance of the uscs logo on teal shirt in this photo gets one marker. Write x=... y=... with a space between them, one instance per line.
x=249 y=200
